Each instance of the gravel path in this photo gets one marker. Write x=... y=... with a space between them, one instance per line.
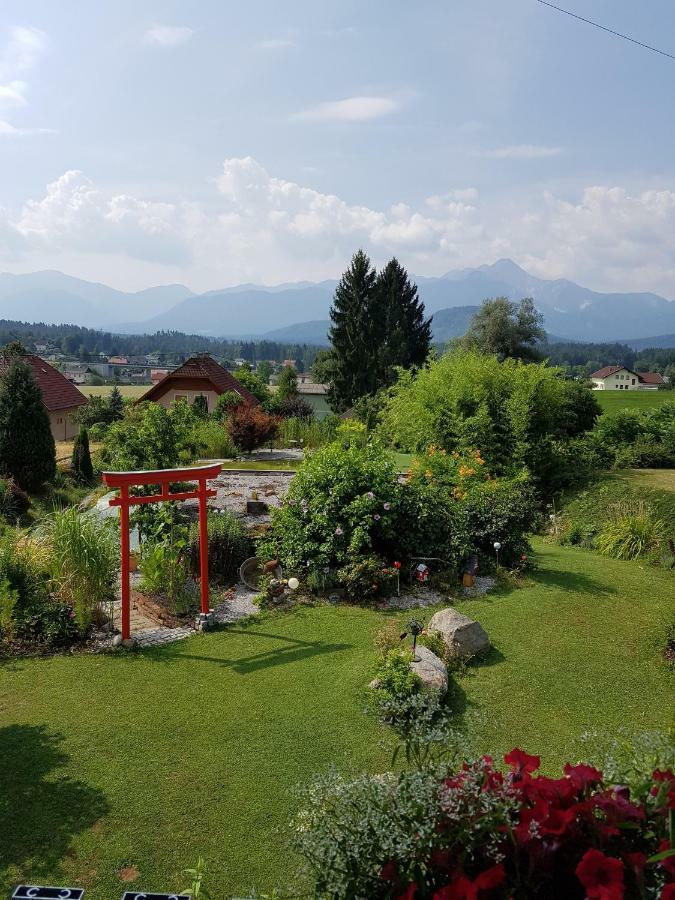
x=237 y=605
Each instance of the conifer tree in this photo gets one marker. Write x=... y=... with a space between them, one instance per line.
x=27 y=451
x=200 y=406
x=351 y=334
x=115 y=405
x=287 y=388
x=397 y=314
x=81 y=462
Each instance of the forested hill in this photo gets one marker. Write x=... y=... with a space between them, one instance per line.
x=74 y=340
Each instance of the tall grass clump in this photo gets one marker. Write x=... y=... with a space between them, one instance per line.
x=83 y=561
x=229 y=545
x=213 y=440
x=310 y=434
x=630 y=532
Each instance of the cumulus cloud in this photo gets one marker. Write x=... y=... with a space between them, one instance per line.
x=167 y=36
x=351 y=109
x=260 y=227
x=522 y=151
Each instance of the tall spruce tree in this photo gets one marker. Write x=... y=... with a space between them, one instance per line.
x=397 y=314
x=27 y=451
x=351 y=334
x=116 y=404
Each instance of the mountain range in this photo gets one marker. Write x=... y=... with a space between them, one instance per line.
x=299 y=312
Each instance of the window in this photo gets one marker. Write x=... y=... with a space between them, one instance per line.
x=632 y=381
x=180 y=397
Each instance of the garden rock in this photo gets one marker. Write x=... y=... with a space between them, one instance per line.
x=463 y=636
x=431 y=670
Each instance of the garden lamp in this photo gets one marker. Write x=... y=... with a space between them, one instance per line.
x=497 y=547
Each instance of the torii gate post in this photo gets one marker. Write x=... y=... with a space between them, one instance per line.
x=164 y=478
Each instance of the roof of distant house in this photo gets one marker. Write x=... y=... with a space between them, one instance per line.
x=611 y=370
x=312 y=387
x=57 y=392
x=651 y=378
x=643 y=377
x=118 y=361
x=201 y=367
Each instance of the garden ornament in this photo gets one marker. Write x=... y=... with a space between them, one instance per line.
x=415 y=628
x=422 y=572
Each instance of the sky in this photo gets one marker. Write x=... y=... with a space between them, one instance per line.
x=213 y=143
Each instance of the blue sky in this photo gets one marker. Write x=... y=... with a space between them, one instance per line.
x=214 y=143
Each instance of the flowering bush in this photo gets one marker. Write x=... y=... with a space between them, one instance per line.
x=250 y=427
x=481 y=833
x=367 y=578
x=343 y=505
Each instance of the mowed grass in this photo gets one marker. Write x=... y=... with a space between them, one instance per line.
x=136 y=764
x=613 y=401
x=127 y=390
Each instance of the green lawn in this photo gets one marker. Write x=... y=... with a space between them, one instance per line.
x=145 y=761
x=127 y=390
x=613 y=401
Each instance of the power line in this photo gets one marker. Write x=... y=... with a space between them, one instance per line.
x=608 y=30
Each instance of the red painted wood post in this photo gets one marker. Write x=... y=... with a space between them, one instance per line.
x=126 y=586
x=203 y=546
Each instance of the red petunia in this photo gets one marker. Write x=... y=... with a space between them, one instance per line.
x=582 y=776
x=664 y=778
x=409 y=893
x=668 y=892
x=463 y=888
x=389 y=871
x=554 y=790
x=601 y=876
x=669 y=862
x=522 y=763
x=397 y=565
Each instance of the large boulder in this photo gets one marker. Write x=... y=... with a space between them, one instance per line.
x=431 y=669
x=463 y=636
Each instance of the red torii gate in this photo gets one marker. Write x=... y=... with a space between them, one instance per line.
x=164 y=478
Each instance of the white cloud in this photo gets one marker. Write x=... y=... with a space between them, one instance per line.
x=279 y=43
x=18 y=56
x=522 y=151
x=167 y=36
x=262 y=228
x=351 y=109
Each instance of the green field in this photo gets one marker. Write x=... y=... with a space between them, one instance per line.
x=133 y=765
x=127 y=390
x=612 y=401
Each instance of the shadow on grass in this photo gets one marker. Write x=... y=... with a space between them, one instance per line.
x=571 y=581
x=40 y=810
x=291 y=650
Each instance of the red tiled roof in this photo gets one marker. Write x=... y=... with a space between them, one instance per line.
x=651 y=378
x=57 y=391
x=201 y=367
x=610 y=370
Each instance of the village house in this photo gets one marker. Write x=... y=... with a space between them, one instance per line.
x=199 y=376
x=60 y=396
x=619 y=378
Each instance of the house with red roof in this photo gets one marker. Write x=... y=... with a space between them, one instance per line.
x=60 y=396
x=619 y=378
x=200 y=376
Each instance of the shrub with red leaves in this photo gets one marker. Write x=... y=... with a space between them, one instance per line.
x=493 y=835
x=250 y=427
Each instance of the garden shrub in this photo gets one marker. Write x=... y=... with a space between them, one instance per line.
x=225 y=404
x=213 y=440
x=164 y=568
x=514 y=413
x=14 y=502
x=366 y=578
x=229 y=545
x=200 y=407
x=478 y=832
x=251 y=427
x=310 y=433
x=631 y=438
x=342 y=505
x=30 y=619
x=295 y=407
x=83 y=561
x=630 y=532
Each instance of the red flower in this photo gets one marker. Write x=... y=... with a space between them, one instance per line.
x=664 y=778
x=668 y=892
x=463 y=888
x=521 y=763
x=582 y=776
x=669 y=862
x=555 y=790
x=601 y=876
x=397 y=565
x=389 y=871
x=409 y=893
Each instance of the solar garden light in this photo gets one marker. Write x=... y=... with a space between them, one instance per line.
x=293 y=584
x=497 y=547
x=415 y=628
